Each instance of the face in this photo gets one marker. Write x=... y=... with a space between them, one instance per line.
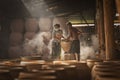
x=69 y=26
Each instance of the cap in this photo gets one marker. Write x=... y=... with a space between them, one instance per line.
x=57 y=25
x=68 y=23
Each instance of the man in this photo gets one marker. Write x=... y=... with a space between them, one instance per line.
x=56 y=47
x=74 y=38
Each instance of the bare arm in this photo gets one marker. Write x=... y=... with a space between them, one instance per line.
x=70 y=35
x=79 y=32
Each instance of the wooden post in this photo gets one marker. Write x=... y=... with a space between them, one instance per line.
x=109 y=29
x=118 y=7
x=100 y=27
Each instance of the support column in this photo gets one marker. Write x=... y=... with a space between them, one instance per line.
x=100 y=27
x=118 y=7
x=109 y=29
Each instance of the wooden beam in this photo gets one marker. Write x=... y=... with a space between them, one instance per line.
x=118 y=7
x=100 y=27
x=109 y=29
